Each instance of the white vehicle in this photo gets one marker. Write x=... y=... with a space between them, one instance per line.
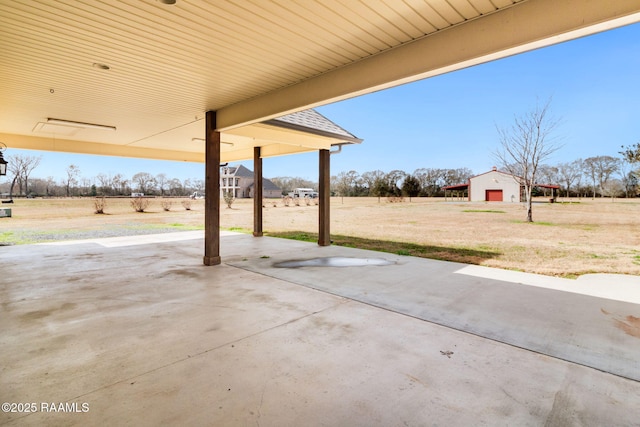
x=304 y=192
x=197 y=195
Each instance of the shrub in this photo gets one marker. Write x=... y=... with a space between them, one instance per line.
x=100 y=203
x=166 y=205
x=395 y=199
x=286 y=200
x=139 y=204
x=186 y=204
x=228 y=198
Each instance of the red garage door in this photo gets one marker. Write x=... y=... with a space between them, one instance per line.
x=493 y=195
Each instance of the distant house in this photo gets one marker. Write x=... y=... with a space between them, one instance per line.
x=493 y=186
x=239 y=181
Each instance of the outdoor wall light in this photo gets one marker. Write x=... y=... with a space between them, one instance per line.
x=3 y=162
x=80 y=125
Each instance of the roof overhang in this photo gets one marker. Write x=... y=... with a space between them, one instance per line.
x=524 y=26
x=169 y=65
x=186 y=143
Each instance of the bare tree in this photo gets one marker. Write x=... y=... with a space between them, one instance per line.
x=162 y=181
x=86 y=184
x=105 y=183
x=187 y=186
x=394 y=181
x=631 y=156
x=457 y=176
x=72 y=178
x=431 y=180
x=630 y=183
x=631 y=153
x=527 y=143
x=600 y=169
x=50 y=189
x=199 y=184
x=175 y=187
x=120 y=184
x=29 y=163
x=547 y=174
x=287 y=183
x=612 y=188
x=370 y=178
x=627 y=178
x=346 y=182
x=21 y=168
x=570 y=173
x=145 y=181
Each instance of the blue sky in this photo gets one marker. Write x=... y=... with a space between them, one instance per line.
x=449 y=121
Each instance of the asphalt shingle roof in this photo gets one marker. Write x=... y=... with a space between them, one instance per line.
x=242 y=171
x=313 y=122
x=267 y=184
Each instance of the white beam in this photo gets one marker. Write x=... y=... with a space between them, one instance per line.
x=525 y=26
x=84 y=147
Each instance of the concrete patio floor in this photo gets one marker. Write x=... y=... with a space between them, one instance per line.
x=136 y=331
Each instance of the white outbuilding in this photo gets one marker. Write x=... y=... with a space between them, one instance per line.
x=494 y=186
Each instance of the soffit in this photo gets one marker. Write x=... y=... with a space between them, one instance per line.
x=171 y=64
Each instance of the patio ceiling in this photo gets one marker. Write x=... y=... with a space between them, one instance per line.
x=249 y=60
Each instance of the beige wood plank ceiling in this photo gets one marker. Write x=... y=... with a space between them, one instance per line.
x=169 y=64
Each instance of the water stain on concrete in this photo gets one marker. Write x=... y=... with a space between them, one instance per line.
x=37 y=314
x=413 y=379
x=630 y=325
x=334 y=262
x=179 y=272
x=68 y=306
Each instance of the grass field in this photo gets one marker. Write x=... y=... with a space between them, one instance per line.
x=568 y=238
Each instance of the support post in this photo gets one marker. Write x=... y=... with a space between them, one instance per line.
x=257 y=192
x=212 y=192
x=324 y=194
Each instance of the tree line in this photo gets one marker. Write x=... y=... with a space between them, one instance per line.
x=427 y=182
x=73 y=184
x=598 y=176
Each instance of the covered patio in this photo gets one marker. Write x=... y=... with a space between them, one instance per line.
x=137 y=331
x=126 y=341
x=203 y=82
